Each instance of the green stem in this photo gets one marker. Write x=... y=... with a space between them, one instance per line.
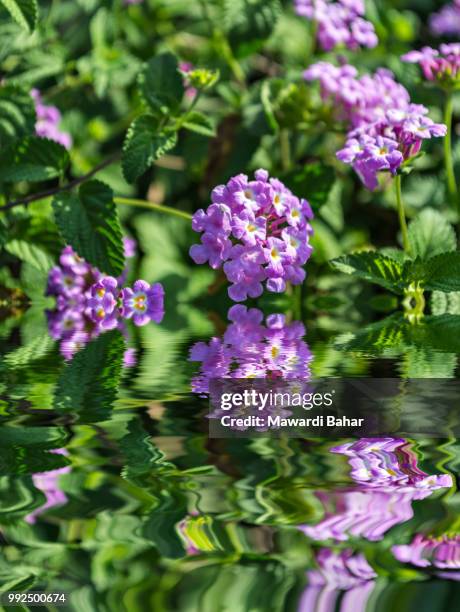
x=401 y=214
x=451 y=182
x=285 y=147
x=151 y=206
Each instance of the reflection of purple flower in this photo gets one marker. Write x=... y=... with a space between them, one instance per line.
x=129 y=358
x=258 y=231
x=251 y=349
x=143 y=303
x=338 y=22
x=437 y=552
x=129 y=247
x=48 y=483
x=337 y=572
x=388 y=481
x=48 y=119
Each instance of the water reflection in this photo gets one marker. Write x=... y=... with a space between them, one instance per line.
x=252 y=347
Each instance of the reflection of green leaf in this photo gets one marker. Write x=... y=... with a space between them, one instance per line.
x=31 y=254
x=430 y=234
x=18 y=497
x=374 y=267
x=89 y=223
x=24 y=355
x=396 y=333
x=88 y=385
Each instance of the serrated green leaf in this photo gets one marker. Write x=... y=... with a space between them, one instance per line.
x=23 y=12
x=17 y=114
x=161 y=84
x=31 y=254
x=199 y=123
x=313 y=182
x=33 y=159
x=430 y=234
x=373 y=267
x=89 y=223
x=144 y=144
x=440 y=273
x=250 y=22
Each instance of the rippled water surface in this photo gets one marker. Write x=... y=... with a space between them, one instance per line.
x=112 y=490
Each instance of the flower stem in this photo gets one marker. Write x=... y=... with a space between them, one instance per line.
x=285 y=149
x=401 y=213
x=451 y=182
x=151 y=206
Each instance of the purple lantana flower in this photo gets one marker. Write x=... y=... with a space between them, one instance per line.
x=143 y=303
x=441 y=65
x=384 y=128
x=446 y=22
x=258 y=231
x=102 y=302
x=339 y=23
x=48 y=120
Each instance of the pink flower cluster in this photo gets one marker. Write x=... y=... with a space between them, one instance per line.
x=446 y=22
x=258 y=231
x=48 y=120
x=388 y=481
x=424 y=551
x=339 y=22
x=88 y=302
x=441 y=65
x=384 y=128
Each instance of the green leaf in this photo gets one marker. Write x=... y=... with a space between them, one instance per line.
x=430 y=234
x=249 y=22
x=440 y=273
x=89 y=223
x=30 y=253
x=144 y=144
x=161 y=84
x=373 y=267
x=199 y=123
x=23 y=12
x=33 y=159
x=17 y=114
x=313 y=182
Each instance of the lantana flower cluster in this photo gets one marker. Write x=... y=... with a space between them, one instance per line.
x=432 y=552
x=446 y=22
x=384 y=128
x=441 y=65
x=387 y=482
x=88 y=302
x=338 y=22
x=48 y=120
x=258 y=231
x=251 y=348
